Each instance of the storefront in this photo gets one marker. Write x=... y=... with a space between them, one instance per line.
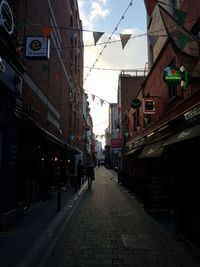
x=183 y=150
x=10 y=117
x=46 y=163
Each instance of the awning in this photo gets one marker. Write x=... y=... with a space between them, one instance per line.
x=73 y=149
x=152 y=150
x=138 y=145
x=53 y=138
x=183 y=135
x=132 y=151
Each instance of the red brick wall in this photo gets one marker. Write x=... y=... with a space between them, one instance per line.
x=129 y=89
x=49 y=75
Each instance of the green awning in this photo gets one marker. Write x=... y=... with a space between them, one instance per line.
x=152 y=150
x=183 y=135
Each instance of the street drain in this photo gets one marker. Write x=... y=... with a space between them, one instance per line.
x=135 y=242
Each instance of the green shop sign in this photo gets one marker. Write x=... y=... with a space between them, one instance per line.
x=172 y=76
x=135 y=103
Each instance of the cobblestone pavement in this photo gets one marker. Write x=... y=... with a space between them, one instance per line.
x=110 y=228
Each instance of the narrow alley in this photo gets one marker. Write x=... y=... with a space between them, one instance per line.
x=109 y=227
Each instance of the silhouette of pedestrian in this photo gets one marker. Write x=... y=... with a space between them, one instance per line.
x=79 y=175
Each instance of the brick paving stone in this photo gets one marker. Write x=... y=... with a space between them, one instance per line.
x=110 y=228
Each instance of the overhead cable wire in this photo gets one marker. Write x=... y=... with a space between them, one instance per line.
x=109 y=41
x=130 y=4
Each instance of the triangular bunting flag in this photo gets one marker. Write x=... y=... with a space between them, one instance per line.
x=180 y=16
x=183 y=42
x=150 y=5
x=97 y=36
x=102 y=102
x=93 y=97
x=46 y=31
x=177 y=32
x=152 y=39
x=124 y=39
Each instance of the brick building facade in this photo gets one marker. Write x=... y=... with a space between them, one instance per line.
x=163 y=152
x=50 y=105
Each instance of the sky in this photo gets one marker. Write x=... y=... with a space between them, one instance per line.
x=102 y=64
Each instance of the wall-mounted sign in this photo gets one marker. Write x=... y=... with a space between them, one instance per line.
x=193 y=114
x=149 y=106
x=185 y=77
x=37 y=47
x=6 y=17
x=135 y=103
x=172 y=75
x=116 y=143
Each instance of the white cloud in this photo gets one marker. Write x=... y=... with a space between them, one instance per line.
x=104 y=83
x=133 y=56
x=98 y=11
x=91 y=11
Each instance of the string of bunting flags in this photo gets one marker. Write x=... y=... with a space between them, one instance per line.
x=181 y=17
x=47 y=30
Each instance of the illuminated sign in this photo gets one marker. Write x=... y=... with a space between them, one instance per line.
x=149 y=106
x=116 y=143
x=172 y=76
x=37 y=48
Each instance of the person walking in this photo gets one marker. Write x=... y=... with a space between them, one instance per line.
x=90 y=175
x=79 y=175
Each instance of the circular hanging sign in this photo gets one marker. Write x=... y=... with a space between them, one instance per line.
x=6 y=17
x=135 y=103
x=172 y=76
